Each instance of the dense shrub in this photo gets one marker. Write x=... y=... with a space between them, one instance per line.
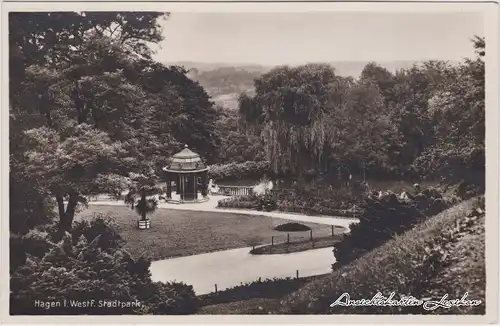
x=267 y=202
x=240 y=171
x=292 y=227
x=385 y=217
x=319 y=198
x=17 y=255
x=331 y=202
x=100 y=225
x=28 y=205
x=94 y=267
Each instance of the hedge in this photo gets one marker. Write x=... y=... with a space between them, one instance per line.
x=240 y=171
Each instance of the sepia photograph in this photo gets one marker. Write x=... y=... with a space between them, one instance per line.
x=176 y=162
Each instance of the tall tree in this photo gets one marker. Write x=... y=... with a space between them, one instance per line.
x=291 y=103
x=83 y=162
x=192 y=118
x=458 y=112
x=309 y=118
x=236 y=145
x=67 y=81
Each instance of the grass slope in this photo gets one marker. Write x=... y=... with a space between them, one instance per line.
x=176 y=233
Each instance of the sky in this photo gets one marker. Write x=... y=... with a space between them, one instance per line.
x=296 y=38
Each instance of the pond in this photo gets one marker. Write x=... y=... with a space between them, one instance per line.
x=229 y=268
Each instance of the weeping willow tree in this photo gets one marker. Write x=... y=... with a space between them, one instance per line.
x=288 y=113
x=311 y=119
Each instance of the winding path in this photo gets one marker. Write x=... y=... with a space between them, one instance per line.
x=230 y=268
x=210 y=206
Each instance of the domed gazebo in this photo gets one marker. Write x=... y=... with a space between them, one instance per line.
x=190 y=174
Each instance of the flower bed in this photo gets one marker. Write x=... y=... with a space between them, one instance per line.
x=243 y=202
x=288 y=201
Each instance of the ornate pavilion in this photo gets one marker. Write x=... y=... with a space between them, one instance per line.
x=189 y=174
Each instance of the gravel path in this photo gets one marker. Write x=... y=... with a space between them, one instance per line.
x=210 y=206
x=229 y=268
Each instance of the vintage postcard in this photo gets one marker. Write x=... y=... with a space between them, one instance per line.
x=250 y=162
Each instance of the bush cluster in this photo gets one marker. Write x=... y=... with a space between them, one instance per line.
x=332 y=202
x=267 y=202
x=243 y=202
x=89 y=264
x=384 y=217
x=240 y=171
x=292 y=227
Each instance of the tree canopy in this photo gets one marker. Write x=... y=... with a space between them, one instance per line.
x=411 y=123
x=88 y=104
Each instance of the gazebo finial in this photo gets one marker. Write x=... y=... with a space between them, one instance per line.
x=186 y=146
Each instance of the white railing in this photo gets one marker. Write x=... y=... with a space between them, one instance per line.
x=235 y=190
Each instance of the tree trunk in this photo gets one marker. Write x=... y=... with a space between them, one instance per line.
x=60 y=205
x=143 y=199
x=67 y=215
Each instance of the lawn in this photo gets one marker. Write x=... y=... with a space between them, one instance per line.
x=285 y=248
x=176 y=233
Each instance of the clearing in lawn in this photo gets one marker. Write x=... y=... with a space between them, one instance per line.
x=176 y=233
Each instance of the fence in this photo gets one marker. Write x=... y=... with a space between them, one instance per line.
x=298 y=237
x=296 y=241
x=235 y=190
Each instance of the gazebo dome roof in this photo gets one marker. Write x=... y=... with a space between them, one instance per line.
x=185 y=161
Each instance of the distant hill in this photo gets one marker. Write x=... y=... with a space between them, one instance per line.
x=225 y=81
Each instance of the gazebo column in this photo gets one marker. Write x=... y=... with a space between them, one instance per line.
x=204 y=184
x=190 y=187
x=169 y=186
x=183 y=186
x=177 y=184
x=195 y=186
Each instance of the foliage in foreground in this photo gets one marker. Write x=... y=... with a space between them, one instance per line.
x=428 y=261
x=385 y=218
x=89 y=264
